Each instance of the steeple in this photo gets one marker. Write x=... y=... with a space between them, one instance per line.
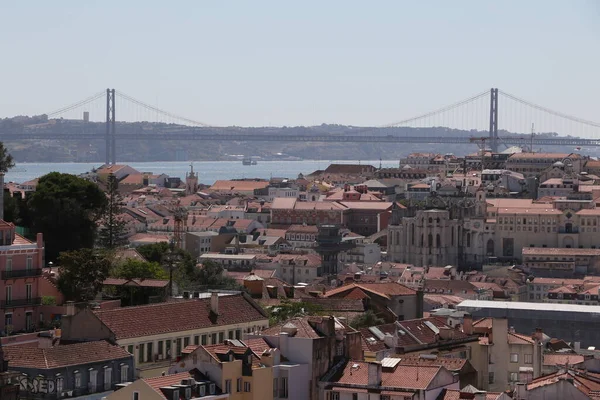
x=191 y=181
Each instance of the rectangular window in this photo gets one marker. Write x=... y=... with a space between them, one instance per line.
x=239 y=384
x=178 y=348
x=247 y=387
x=528 y=358
x=186 y=342
x=160 y=347
x=141 y=353
x=107 y=378
x=28 y=320
x=221 y=337
x=238 y=334
x=136 y=396
x=514 y=376
x=514 y=357
x=28 y=291
x=93 y=381
x=130 y=349
x=29 y=263
x=213 y=338
x=283 y=388
x=275 y=380
x=7 y=319
x=491 y=377
x=149 y=349
x=8 y=294
x=196 y=340
x=334 y=396
x=59 y=384
x=204 y=340
x=228 y=386
x=8 y=264
x=77 y=379
x=230 y=334
x=124 y=373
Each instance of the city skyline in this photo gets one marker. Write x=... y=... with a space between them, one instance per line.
x=278 y=64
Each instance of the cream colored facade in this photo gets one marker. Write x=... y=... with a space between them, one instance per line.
x=152 y=354
x=472 y=230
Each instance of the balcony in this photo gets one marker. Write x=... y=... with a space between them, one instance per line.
x=13 y=303
x=21 y=273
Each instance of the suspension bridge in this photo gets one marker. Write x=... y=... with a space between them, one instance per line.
x=493 y=117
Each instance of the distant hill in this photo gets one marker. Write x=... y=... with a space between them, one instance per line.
x=59 y=151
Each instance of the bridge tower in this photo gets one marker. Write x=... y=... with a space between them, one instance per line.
x=494 y=120
x=111 y=143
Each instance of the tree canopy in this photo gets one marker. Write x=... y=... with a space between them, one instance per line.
x=81 y=273
x=6 y=160
x=112 y=232
x=366 y=319
x=290 y=309
x=137 y=269
x=66 y=209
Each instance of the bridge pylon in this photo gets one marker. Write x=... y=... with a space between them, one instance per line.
x=494 y=120
x=110 y=138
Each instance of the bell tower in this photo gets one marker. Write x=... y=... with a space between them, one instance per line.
x=191 y=181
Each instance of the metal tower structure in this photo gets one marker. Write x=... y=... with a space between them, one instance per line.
x=494 y=120
x=111 y=142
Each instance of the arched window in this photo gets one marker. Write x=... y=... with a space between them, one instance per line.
x=422 y=240
x=397 y=237
x=468 y=239
x=430 y=240
x=438 y=240
x=490 y=247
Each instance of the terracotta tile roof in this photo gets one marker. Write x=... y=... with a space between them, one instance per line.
x=302 y=324
x=585 y=384
x=417 y=377
x=303 y=229
x=451 y=364
x=563 y=359
x=383 y=289
x=453 y=394
x=483 y=323
x=238 y=186
x=178 y=316
x=64 y=355
x=559 y=251
x=423 y=333
x=168 y=380
x=155 y=283
x=517 y=338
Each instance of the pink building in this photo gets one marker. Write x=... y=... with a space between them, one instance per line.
x=21 y=263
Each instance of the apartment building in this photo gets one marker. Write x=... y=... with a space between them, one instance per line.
x=156 y=334
x=23 y=284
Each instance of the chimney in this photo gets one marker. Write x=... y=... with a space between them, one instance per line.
x=468 y=324
x=70 y=308
x=480 y=395
x=577 y=347
x=214 y=303
x=283 y=343
x=374 y=373
x=538 y=335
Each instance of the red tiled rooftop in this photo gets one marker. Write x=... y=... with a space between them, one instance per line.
x=385 y=289
x=178 y=316
x=403 y=377
x=63 y=356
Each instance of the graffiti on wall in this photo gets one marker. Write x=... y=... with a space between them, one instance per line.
x=38 y=384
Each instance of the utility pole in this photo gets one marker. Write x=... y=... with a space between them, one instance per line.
x=493 y=134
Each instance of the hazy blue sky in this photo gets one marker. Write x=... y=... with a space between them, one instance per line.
x=308 y=62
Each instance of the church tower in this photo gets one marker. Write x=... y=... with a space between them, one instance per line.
x=191 y=182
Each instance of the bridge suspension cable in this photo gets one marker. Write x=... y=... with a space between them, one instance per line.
x=550 y=111
x=439 y=110
x=78 y=104
x=158 y=110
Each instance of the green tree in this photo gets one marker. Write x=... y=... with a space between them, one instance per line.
x=81 y=273
x=366 y=319
x=11 y=209
x=290 y=309
x=132 y=269
x=66 y=209
x=112 y=232
x=6 y=160
x=210 y=274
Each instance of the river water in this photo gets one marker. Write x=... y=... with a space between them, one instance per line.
x=209 y=171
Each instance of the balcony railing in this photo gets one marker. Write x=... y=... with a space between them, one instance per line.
x=34 y=301
x=21 y=273
x=574 y=229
